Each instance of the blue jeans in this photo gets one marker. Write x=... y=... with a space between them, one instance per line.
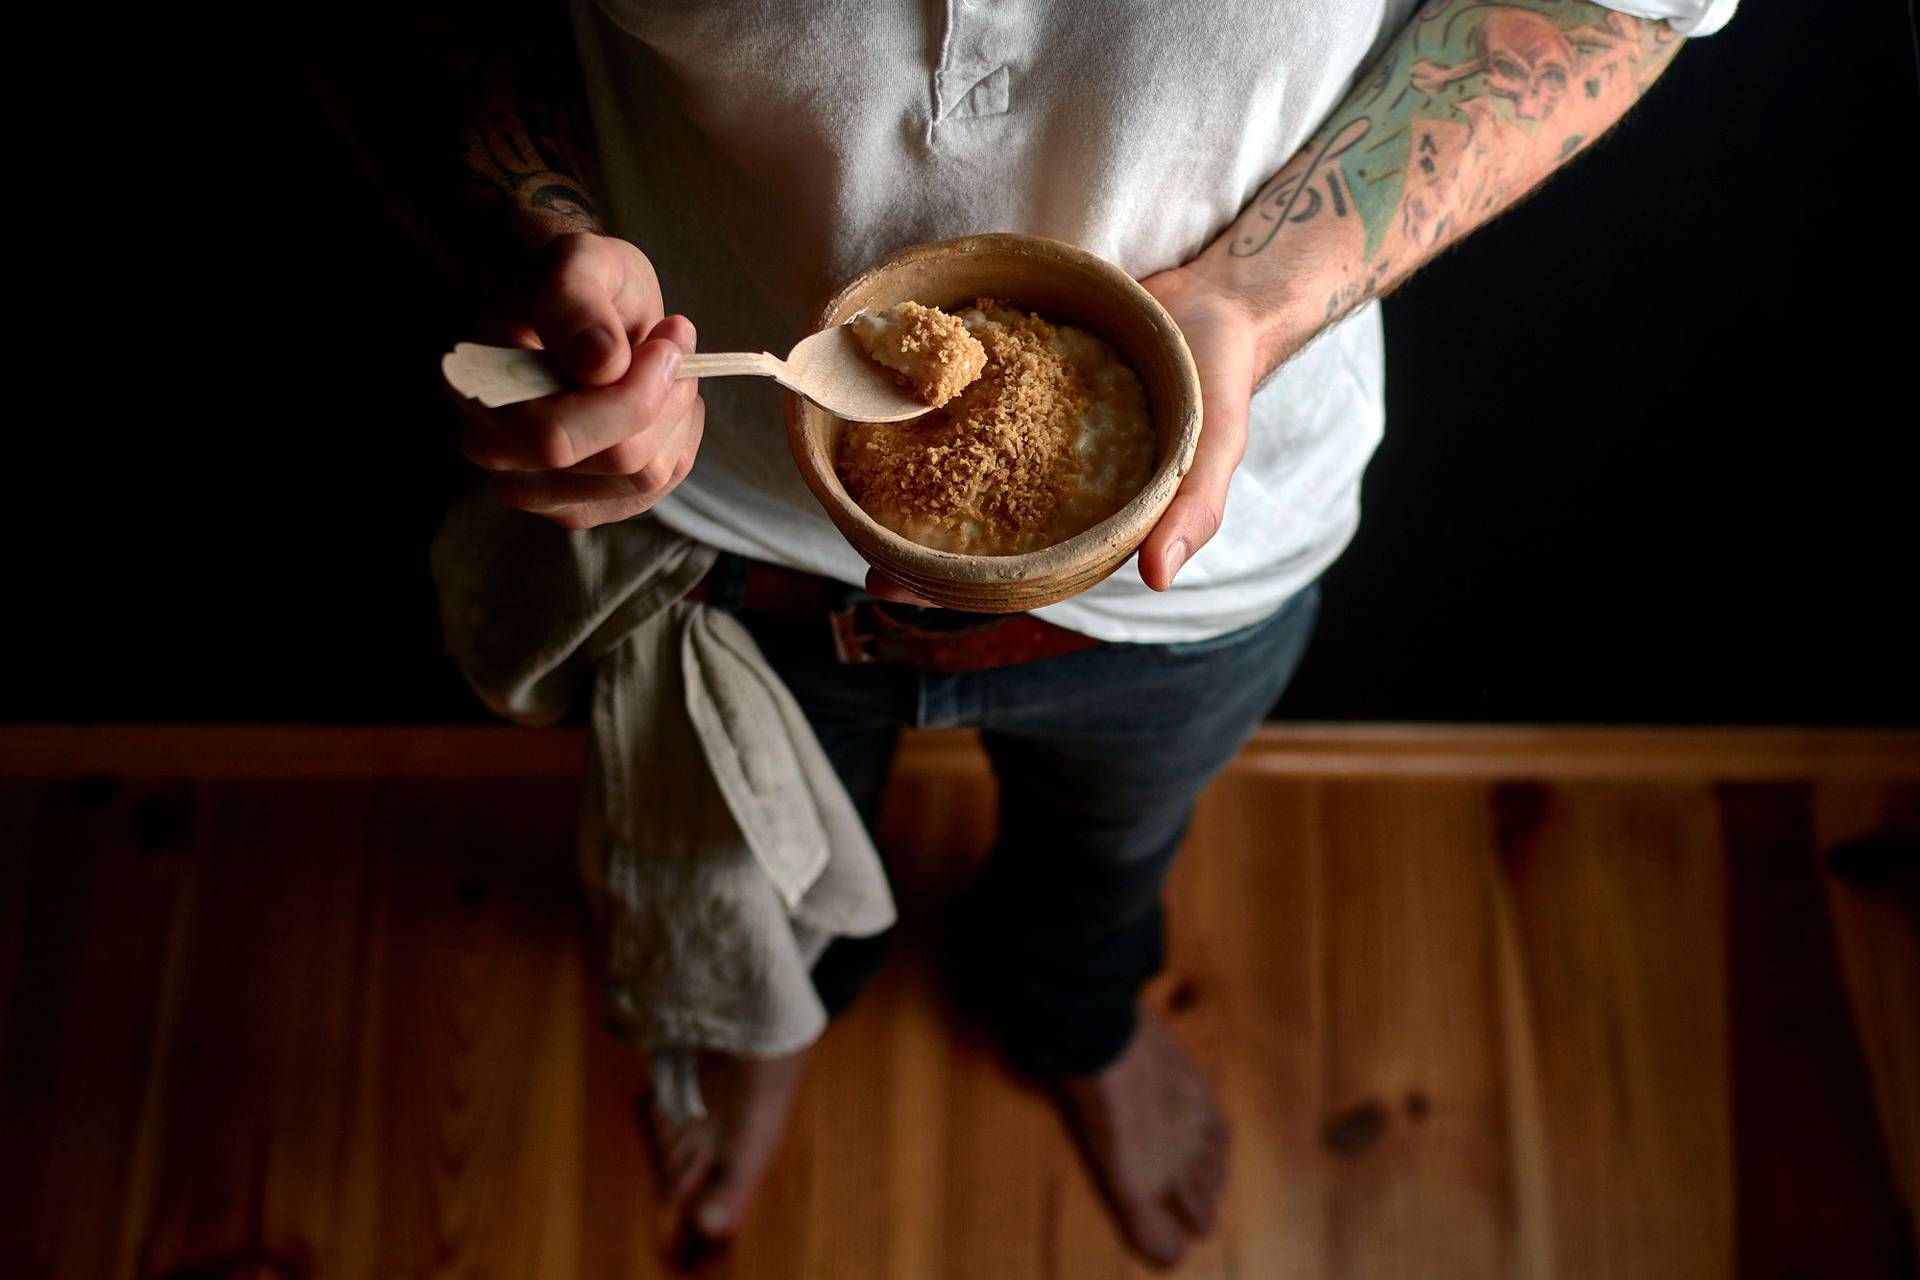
x=1100 y=755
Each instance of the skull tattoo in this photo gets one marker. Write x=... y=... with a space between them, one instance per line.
x=1526 y=59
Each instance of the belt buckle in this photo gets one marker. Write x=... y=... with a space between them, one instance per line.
x=851 y=646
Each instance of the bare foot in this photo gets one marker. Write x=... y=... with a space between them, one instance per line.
x=1156 y=1140
x=709 y=1169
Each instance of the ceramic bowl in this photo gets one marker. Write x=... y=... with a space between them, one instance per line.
x=1063 y=284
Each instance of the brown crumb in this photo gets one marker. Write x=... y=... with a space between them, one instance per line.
x=999 y=458
x=928 y=350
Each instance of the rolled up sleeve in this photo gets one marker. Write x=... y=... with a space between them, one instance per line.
x=1688 y=17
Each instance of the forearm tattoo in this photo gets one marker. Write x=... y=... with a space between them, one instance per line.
x=529 y=158
x=1473 y=105
x=475 y=132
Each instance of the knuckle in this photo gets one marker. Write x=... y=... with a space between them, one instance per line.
x=682 y=395
x=656 y=477
x=1207 y=512
x=689 y=422
x=625 y=458
x=685 y=464
x=552 y=446
x=1211 y=514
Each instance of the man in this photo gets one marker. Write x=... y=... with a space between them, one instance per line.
x=1269 y=171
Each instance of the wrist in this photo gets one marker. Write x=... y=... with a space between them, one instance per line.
x=533 y=226
x=1278 y=312
x=521 y=258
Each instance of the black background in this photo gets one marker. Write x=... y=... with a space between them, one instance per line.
x=1651 y=449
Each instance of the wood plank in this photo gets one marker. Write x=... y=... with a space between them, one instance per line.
x=1815 y=1194
x=1415 y=1103
x=1005 y=1158
x=1246 y=992
x=285 y=752
x=622 y=1226
x=1874 y=907
x=20 y=839
x=1495 y=753
x=1617 y=902
x=480 y=1029
x=1485 y=752
x=1460 y=1029
x=109 y=867
x=277 y=1133
x=254 y=1079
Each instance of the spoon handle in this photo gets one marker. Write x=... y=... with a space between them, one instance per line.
x=722 y=364
x=497 y=376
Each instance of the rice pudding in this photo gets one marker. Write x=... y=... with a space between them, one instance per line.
x=1051 y=438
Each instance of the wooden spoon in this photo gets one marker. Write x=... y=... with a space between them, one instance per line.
x=829 y=368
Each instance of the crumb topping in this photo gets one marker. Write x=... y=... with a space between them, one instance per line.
x=928 y=350
x=999 y=470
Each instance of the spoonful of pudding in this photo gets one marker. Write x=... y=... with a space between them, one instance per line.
x=878 y=367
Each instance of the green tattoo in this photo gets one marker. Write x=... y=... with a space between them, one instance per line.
x=1431 y=142
x=528 y=154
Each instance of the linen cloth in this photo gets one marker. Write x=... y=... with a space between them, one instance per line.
x=719 y=848
x=763 y=152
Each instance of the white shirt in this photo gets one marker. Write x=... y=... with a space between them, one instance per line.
x=762 y=154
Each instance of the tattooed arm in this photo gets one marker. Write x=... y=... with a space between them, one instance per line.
x=478 y=137
x=1472 y=106
x=471 y=123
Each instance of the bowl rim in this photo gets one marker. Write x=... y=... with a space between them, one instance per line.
x=1126 y=527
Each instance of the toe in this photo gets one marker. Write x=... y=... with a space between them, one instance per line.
x=721 y=1204
x=759 y=1094
x=686 y=1163
x=1154 y=1228
x=1196 y=1201
x=681 y=1152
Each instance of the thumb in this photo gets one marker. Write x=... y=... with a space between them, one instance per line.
x=1194 y=515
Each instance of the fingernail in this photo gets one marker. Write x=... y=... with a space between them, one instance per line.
x=712 y=1218
x=589 y=347
x=693 y=338
x=670 y=364
x=1176 y=556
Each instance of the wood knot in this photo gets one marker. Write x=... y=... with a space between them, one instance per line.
x=161 y=821
x=1521 y=811
x=1355 y=1129
x=93 y=794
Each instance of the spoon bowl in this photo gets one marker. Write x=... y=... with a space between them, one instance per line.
x=834 y=371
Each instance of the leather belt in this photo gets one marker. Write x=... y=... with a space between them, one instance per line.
x=867 y=631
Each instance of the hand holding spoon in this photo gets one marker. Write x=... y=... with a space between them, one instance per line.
x=829 y=368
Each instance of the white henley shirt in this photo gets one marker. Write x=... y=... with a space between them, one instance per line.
x=761 y=154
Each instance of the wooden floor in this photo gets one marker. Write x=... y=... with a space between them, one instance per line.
x=1479 y=1004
